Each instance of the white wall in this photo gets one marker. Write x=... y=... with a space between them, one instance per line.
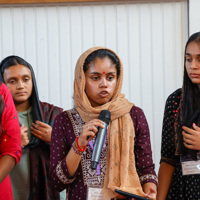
x=149 y=38
x=194 y=16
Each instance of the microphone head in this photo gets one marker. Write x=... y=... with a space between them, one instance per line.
x=94 y=164
x=105 y=116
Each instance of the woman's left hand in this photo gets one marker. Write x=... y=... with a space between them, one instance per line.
x=150 y=190
x=42 y=131
x=191 y=137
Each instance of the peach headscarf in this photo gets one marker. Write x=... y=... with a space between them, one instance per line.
x=120 y=166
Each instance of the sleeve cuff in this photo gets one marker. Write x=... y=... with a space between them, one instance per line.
x=63 y=174
x=170 y=161
x=16 y=155
x=148 y=178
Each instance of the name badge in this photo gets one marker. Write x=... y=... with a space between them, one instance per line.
x=190 y=166
x=94 y=193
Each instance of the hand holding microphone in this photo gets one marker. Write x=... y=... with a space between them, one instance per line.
x=105 y=116
x=96 y=127
x=89 y=131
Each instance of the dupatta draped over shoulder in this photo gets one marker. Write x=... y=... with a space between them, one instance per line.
x=39 y=151
x=120 y=166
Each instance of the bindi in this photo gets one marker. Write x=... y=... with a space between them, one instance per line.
x=104 y=72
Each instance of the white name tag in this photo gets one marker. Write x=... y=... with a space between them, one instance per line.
x=190 y=167
x=95 y=193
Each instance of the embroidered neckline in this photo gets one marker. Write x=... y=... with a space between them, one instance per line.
x=89 y=176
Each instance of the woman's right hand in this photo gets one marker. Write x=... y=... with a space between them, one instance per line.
x=24 y=135
x=89 y=131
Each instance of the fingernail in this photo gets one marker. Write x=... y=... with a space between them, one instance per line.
x=194 y=124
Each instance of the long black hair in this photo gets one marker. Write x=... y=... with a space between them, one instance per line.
x=189 y=109
x=34 y=98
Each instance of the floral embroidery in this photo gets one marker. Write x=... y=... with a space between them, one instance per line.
x=89 y=175
x=148 y=177
x=61 y=175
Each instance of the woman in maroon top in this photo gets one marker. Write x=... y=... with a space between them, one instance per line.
x=97 y=86
x=10 y=142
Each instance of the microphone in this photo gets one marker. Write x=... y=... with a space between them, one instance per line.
x=100 y=137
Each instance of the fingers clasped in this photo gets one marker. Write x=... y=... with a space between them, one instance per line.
x=191 y=137
x=42 y=131
x=24 y=135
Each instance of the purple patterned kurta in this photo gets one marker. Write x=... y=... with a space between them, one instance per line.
x=67 y=126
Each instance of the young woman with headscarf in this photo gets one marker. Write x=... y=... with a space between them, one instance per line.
x=30 y=179
x=179 y=173
x=10 y=144
x=97 y=87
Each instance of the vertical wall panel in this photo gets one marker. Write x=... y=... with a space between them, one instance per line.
x=110 y=27
x=194 y=17
x=76 y=33
x=30 y=52
x=169 y=47
x=149 y=39
x=7 y=32
x=53 y=55
x=87 y=26
x=99 y=25
x=42 y=52
x=146 y=61
x=134 y=54
x=158 y=97
x=18 y=30
x=65 y=61
x=123 y=43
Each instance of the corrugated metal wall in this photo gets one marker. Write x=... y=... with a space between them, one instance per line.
x=149 y=38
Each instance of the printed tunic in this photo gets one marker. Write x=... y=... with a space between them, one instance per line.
x=182 y=187
x=67 y=126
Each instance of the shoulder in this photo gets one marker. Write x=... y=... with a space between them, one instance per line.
x=137 y=116
x=173 y=99
x=64 y=121
x=64 y=116
x=69 y=116
x=175 y=95
x=172 y=105
x=135 y=110
x=47 y=107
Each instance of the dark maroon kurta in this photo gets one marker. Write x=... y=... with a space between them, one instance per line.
x=67 y=126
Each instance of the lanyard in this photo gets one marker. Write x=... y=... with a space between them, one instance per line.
x=98 y=171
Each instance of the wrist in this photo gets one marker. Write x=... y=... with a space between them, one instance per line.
x=79 y=144
x=80 y=147
x=77 y=149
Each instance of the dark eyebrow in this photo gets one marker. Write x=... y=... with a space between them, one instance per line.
x=188 y=54
x=97 y=73
x=15 y=77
